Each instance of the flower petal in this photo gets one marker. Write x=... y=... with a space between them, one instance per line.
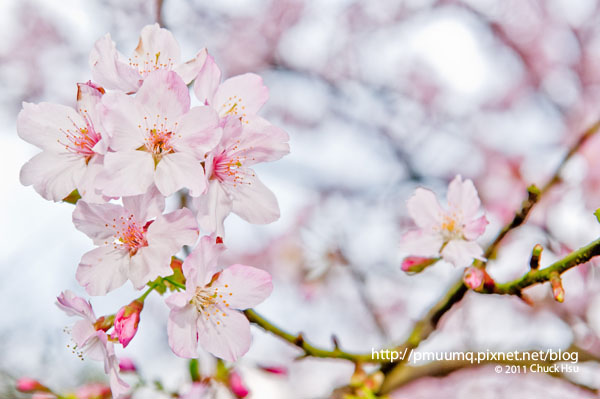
x=122 y=119
x=173 y=230
x=207 y=81
x=213 y=208
x=424 y=208
x=180 y=170
x=146 y=206
x=147 y=264
x=102 y=270
x=189 y=70
x=110 y=69
x=157 y=46
x=225 y=334
x=53 y=176
x=165 y=94
x=254 y=202
x=461 y=253
x=475 y=228
x=183 y=332
x=198 y=131
x=420 y=243
x=243 y=286
x=201 y=263
x=126 y=173
x=462 y=196
x=262 y=142
x=74 y=305
x=96 y=220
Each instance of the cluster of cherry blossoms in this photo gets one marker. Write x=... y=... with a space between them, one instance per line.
x=132 y=140
x=448 y=234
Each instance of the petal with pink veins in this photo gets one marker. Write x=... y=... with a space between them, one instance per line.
x=201 y=264
x=207 y=81
x=225 y=334
x=183 y=332
x=102 y=270
x=265 y=144
x=190 y=69
x=94 y=220
x=146 y=206
x=475 y=228
x=173 y=230
x=122 y=118
x=73 y=305
x=147 y=264
x=110 y=68
x=462 y=196
x=198 y=132
x=247 y=285
x=163 y=95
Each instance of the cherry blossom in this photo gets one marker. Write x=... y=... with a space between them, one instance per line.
x=73 y=145
x=233 y=186
x=127 y=320
x=131 y=243
x=240 y=96
x=206 y=312
x=157 y=139
x=157 y=50
x=449 y=233
x=90 y=341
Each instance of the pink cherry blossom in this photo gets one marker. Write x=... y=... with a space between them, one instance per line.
x=131 y=243
x=240 y=96
x=237 y=386
x=449 y=233
x=91 y=342
x=157 y=50
x=73 y=145
x=233 y=186
x=207 y=311
x=157 y=139
x=127 y=320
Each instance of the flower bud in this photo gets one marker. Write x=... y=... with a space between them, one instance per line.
x=237 y=385
x=473 y=277
x=126 y=321
x=127 y=365
x=416 y=264
x=557 y=289
x=29 y=385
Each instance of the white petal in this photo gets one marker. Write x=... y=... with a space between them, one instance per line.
x=127 y=173
x=253 y=201
x=183 y=333
x=180 y=170
x=96 y=220
x=110 y=69
x=102 y=270
x=225 y=336
x=243 y=287
x=461 y=253
x=424 y=208
x=213 y=208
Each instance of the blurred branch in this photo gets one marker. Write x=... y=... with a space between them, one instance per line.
x=159 y=13
x=308 y=348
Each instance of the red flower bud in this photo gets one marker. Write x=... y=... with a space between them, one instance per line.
x=126 y=322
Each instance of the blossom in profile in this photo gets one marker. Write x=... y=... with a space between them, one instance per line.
x=208 y=311
x=72 y=143
x=451 y=232
x=156 y=139
x=157 y=50
x=90 y=339
x=135 y=241
x=232 y=184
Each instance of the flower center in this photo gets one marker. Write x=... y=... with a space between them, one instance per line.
x=228 y=168
x=157 y=137
x=451 y=227
x=233 y=107
x=129 y=235
x=81 y=140
x=146 y=63
x=210 y=302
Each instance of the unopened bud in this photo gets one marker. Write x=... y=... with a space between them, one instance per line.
x=127 y=365
x=237 y=385
x=126 y=321
x=536 y=255
x=416 y=264
x=557 y=289
x=29 y=385
x=473 y=277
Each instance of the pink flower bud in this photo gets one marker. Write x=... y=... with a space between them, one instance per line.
x=557 y=289
x=473 y=277
x=126 y=322
x=237 y=385
x=274 y=369
x=29 y=385
x=127 y=365
x=416 y=264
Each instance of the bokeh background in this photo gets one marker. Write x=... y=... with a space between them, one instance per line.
x=378 y=97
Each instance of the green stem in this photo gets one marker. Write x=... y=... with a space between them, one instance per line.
x=174 y=283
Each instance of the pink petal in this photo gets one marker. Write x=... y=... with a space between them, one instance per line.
x=247 y=285
x=240 y=95
x=74 y=305
x=262 y=144
x=149 y=263
x=463 y=196
x=53 y=176
x=123 y=120
x=213 y=208
x=82 y=331
x=198 y=131
x=207 y=81
x=127 y=173
x=102 y=270
x=201 y=263
x=118 y=387
x=163 y=93
x=180 y=170
x=110 y=69
x=424 y=208
x=45 y=124
x=189 y=70
x=95 y=220
x=179 y=300
x=89 y=97
x=227 y=337
x=88 y=184
x=254 y=202
x=475 y=228
x=183 y=332
x=146 y=206
x=420 y=243
x=461 y=253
